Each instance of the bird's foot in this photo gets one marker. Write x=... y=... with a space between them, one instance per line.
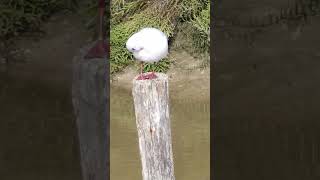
x=99 y=50
x=141 y=77
x=151 y=76
x=148 y=76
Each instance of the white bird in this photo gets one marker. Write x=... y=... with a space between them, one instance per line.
x=148 y=45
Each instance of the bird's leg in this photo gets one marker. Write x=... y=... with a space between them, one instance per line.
x=141 y=68
x=141 y=77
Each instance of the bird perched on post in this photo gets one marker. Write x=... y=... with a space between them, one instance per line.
x=148 y=45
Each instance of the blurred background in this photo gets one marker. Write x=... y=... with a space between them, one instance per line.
x=38 y=40
x=266 y=89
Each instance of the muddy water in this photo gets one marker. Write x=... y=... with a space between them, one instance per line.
x=266 y=96
x=38 y=138
x=37 y=128
x=190 y=132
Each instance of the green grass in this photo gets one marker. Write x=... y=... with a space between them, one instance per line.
x=17 y=16
x=161 y=66
x=127 y=17
x=120 y=57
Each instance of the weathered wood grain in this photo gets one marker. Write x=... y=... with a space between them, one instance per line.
x=90 y=91
x=151 y=103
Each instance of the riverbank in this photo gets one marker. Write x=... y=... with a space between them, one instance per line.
x=188 y=77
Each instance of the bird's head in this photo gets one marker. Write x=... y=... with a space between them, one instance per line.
x=133 y=44
x=134 y=48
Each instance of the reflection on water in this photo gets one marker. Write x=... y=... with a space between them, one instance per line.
x=190 y=132
x=37 y=130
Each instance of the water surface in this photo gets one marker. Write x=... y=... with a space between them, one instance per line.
x=190 y=134
x=266 y=96
x=37 y=128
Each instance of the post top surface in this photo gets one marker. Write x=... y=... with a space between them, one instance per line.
x=160 y=77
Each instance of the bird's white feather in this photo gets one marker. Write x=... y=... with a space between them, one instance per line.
x=148 y=45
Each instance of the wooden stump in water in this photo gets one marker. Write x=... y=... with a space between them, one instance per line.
x=151 y=103
x=90 y=91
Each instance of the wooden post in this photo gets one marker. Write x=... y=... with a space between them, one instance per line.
x=151 y=103
x=90 y=94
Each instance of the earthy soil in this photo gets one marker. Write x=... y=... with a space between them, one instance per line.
x=48 y=56
x=187 y=78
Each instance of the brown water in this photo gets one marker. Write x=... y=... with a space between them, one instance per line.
x=37 y=129
x=38 y=138
x=266 y=97
x=190 y=134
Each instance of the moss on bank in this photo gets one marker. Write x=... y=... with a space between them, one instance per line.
x=27 y=15
x=127 y=17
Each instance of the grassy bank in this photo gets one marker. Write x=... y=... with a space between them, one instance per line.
x=189 y=18
x=128 y=17
x=18 y=16
x=21 y=16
